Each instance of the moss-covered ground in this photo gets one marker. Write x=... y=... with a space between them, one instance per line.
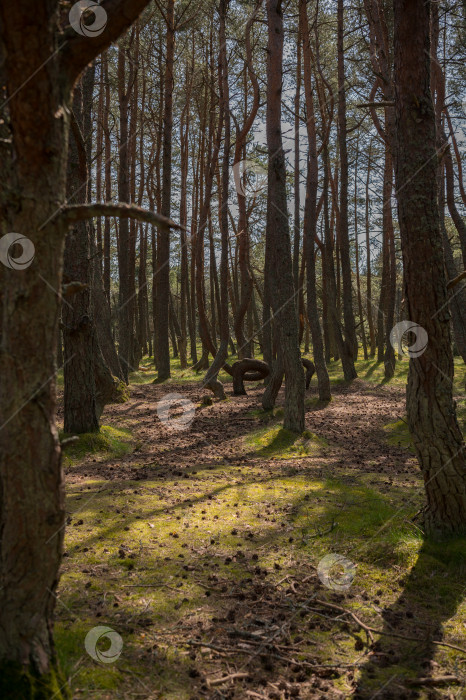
x=201 y=549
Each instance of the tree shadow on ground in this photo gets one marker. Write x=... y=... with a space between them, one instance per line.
x=419 y=613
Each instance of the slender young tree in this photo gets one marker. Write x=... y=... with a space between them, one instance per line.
x=211 y=378
x=370 y=311
x=162 y=277
x=343 y=226
x=310 y=213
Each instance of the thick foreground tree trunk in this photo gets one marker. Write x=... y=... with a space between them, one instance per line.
x=282 y=297
x=32 y=177
x=431 y=410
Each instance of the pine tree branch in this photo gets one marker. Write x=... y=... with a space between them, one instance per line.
x=68 y=215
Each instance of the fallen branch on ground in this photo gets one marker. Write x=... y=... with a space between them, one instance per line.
x=373 y=630
x=225 y=679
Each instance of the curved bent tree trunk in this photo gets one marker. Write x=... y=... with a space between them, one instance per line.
x=278 y=234
x=431 y=410
x=247 y=370
x=310 y=371
x=274 y=383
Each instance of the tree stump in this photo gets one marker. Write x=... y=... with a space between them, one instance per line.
x=247 y=370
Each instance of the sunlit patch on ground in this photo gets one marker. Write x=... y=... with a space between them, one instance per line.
x=201 y=549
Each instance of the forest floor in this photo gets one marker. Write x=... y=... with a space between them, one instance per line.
x=201 y=547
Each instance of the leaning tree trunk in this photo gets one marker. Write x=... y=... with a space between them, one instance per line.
x=282 y=295
x=431 y=410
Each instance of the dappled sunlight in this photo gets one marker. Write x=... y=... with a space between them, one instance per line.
x=178 y=552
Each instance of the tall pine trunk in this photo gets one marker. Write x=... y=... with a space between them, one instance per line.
x=162 y=279
x=277 y=233
x=431 y=410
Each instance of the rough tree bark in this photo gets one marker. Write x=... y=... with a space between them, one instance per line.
x=310 y=214
x=370 y=316
x=431 y=410
x=162 y=279
x=246 y=284
x=33 y=176
x=343 y=232
x=278 y=233
x=79 y=339
x=211 y=378
x=125 y=319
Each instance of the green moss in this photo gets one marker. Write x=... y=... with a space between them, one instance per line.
x=108 y=442
x=266 y=416
x=398 y=434
x=121 y=391
x=176 y=534
x=283 y=444
x=17 y=682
